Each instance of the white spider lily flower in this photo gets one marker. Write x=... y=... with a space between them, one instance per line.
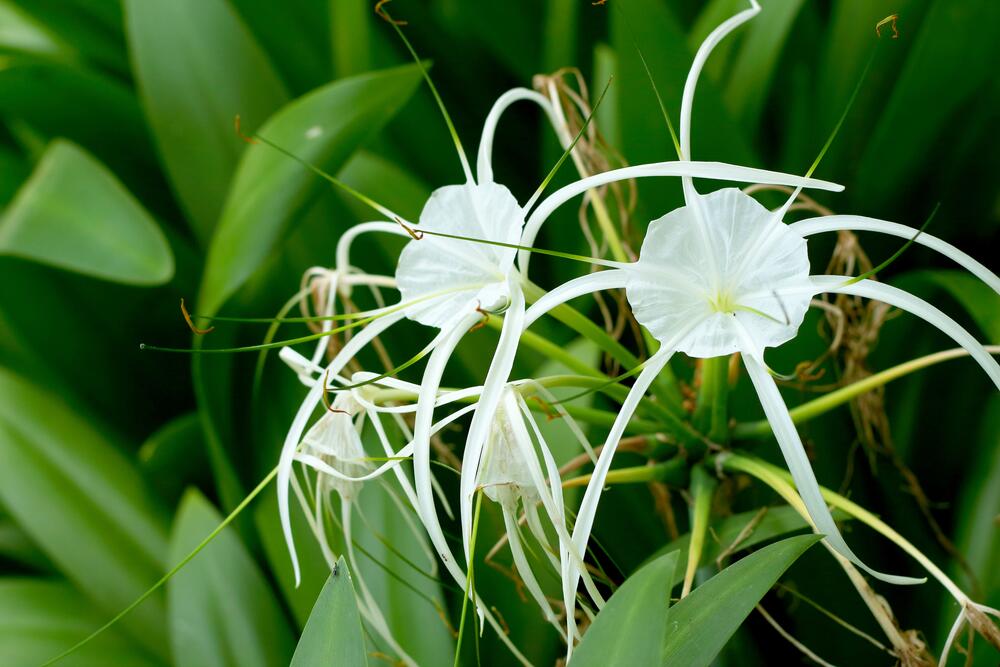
x=722 y=275
x=332 y=448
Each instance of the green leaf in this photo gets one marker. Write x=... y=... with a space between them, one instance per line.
x=980 y=302
x=197 y=67
x=631 y=628
x=83 y=503
x=950 y=64
x=754 y=67
x=333 y=634
x=105 y=117
x=15 y=545
x=351 y=36
x=72 y=213
x=22 y=33
x=40 y=618
x=270 y=189
x=700 y=625
x=221 y=610
x=173 y=458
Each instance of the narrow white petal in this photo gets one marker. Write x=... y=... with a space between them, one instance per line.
x=591 y=497
x=523 y=567
x=586 y=284
x=294 y=436
x=720 y=171
x=496 y=380
x=860 y=223
x=912 y=304
x=955 y=627
x=704 y=51
x=484 y=160
x=798 y=465
x=343 y=254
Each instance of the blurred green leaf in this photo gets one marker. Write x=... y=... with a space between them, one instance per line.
x=173 y=458
x=197 y=67
x=979 y=301
x=72 y=213
x=754 y=67
x=83 y=503
x=322 y=128
x=93 y=28
x=700 y=625
x=40 y=618
x=22 y=33
x=333 y=635
x=13 y=171
x=221 y=609
x=952 y=60
x=15 y=545
x=294 y=34
x=104 y=117
x=632 y=627
x=351 y=36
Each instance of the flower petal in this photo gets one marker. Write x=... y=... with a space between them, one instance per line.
x=860 y=223
x=798 y=465
x=484 y=166
x=917 y=306
x=587 y=284
x=720 y=171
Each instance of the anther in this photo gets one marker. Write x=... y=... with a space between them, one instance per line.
x=190 y=322
x=326 y=395
x=237 y=125
x=385 y=15
x=416 y=234
x=891 y=20
x=481 y=323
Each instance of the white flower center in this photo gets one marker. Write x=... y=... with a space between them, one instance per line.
x=461 y=275
x=335 y=440
x=504 y=475
x=720 y=269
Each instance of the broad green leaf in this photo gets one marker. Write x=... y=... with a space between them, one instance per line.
x=72 y=213
x=15 y=545
x=92 y=28
x=83 y=503
x=333 y=634
x=980 y=302
x=40 y=618
x=270 y=189
x=700 y=625
x=197 y=67
x=221 y=609
x=13 y=171
x=754 y=67
x=952 y=60
x=104 y=118
x=351 y=36
x=631 y=628
x=22 y=33
x=173 y=458
x=294 y=33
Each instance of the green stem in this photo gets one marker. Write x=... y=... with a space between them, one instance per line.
x=823 y=404
x=174 y=570
x=672 y=471
x=703 y=487
x=781 y=482
x=711 y=416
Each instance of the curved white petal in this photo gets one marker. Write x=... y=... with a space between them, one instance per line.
x=343 y=253
x=587 y=284
x=523 y=567
x=704 y=51
x=860 y=223
x=798 y=465
x=905 y=301
x=484 y=166
x=312 y=399
x=591 y=497
x=496 y=380
x=713 y=170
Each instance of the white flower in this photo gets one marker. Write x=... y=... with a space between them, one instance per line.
x=722 y=275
